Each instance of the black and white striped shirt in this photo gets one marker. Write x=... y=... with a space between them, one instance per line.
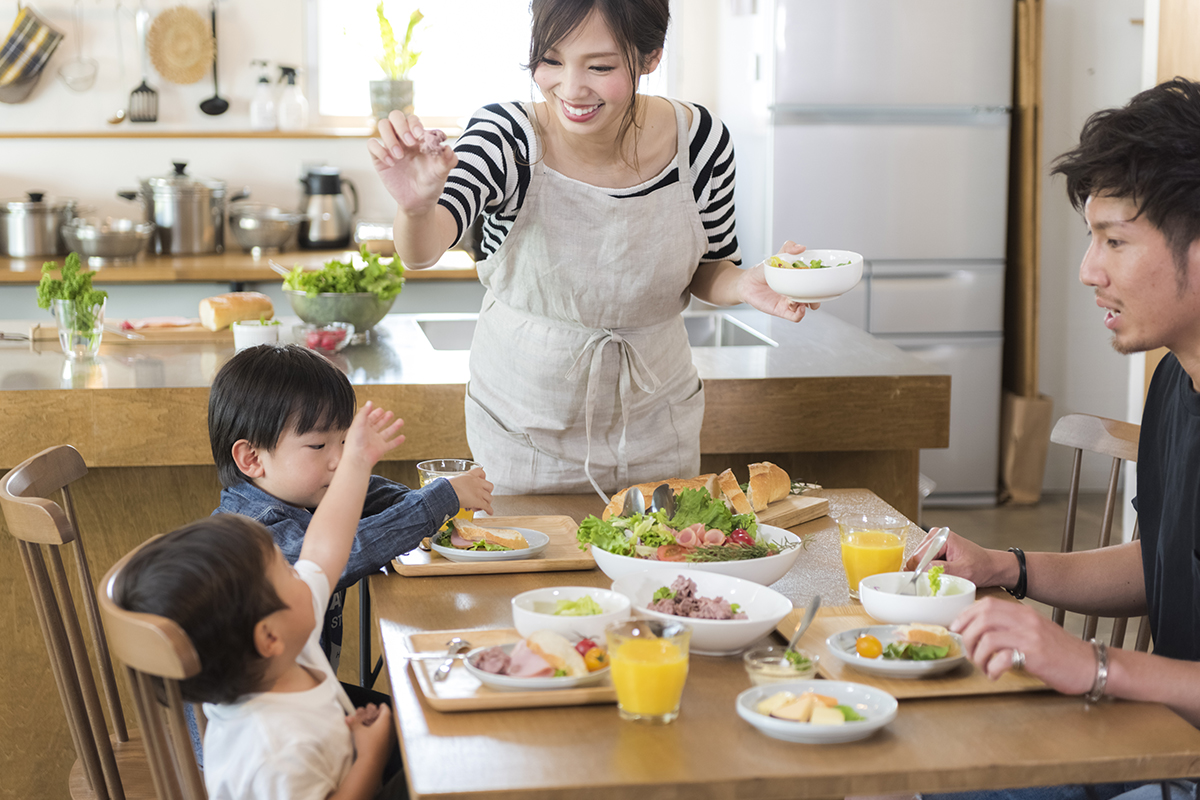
x=498 y=146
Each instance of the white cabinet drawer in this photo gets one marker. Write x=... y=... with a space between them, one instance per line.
x=936 y=299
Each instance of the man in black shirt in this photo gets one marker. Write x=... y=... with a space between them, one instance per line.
x=1135 y=175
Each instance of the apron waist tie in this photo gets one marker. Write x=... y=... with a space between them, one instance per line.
x=631 y=370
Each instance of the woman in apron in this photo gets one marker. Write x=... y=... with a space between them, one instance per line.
x=605 y=212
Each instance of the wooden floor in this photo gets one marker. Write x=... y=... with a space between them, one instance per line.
x=35 y=747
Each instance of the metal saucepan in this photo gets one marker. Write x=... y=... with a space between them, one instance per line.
x=189 y=212
x=33 y=226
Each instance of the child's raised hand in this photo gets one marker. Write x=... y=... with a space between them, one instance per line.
x=373 y=433
x=473 y=490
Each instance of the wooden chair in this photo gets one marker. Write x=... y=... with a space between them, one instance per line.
x=157 y=655
x=106 y=767
x=1117 y=439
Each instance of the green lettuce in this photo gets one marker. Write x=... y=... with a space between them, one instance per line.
x=382 y=280
x=915 y=652
x=585 y=606
x=603 y=534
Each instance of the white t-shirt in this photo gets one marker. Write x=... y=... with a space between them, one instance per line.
x=286 y=745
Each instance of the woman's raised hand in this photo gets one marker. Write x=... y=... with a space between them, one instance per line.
x=754 y=290
x=413 y=163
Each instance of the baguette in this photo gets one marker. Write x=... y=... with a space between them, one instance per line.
x=733 y=493
x=221 y=311
x=505 y=537
x=768 y=483
x=705 y=482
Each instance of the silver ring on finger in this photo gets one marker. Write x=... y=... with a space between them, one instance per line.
x=1018 y=659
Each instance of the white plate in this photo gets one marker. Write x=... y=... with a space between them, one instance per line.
x=841 y=646
x=537 y=543
x=507 y=683
x=763 y=571
x=876 y=705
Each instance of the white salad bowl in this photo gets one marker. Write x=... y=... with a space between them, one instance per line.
x=711 y=637
x=534 y=611
x=882 y=601
x=763 y=571
x=815 y=285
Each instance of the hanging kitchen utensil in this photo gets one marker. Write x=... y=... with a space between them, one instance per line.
x=80 y=72
x=30 y=43
x=143 y=100
x=180 y=46
x=216 y=104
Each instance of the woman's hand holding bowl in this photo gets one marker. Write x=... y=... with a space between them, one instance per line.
x=752 y=285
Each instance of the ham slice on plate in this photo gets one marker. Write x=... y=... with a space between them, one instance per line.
x=158 y=322
x=524 y=663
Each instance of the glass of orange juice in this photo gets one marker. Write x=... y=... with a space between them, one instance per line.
x=871 y=544
x=649 y=661
x=433 y=469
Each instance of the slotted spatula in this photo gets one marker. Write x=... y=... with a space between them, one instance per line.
x=143 y=100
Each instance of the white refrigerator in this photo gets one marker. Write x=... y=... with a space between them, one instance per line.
x=882 y=127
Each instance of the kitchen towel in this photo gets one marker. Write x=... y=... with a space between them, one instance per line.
x=24 y=54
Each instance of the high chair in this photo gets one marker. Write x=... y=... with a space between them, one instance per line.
x=157 y=655
x=106 y=767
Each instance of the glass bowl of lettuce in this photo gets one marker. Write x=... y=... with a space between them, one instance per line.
x=576 y=612
x=938 y=600
x=360 y=291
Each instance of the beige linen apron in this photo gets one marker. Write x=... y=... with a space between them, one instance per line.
x=581 y=373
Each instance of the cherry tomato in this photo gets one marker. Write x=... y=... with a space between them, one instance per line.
x=584 y=645
x=672 y=552
x=595 y=659
x=739 y=536
x=868 y=647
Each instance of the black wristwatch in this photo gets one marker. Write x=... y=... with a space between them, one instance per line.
x=1018 y=591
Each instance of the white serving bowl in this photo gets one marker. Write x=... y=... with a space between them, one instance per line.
x=764 y=571
x=711 y=637
x=528 y=618
x=880 y=599
x=816 y=285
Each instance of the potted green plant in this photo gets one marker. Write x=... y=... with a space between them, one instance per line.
x=396 y=90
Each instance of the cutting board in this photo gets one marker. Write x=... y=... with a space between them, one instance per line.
x=964 y=680
x=461 y=691
x=562 y=553
x=184 y=333
x=795 y=509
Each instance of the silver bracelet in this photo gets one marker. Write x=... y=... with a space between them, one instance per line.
x=1101 y=680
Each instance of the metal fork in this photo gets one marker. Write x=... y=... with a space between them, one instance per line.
x=143 y=100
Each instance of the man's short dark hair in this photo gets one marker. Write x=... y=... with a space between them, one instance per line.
x=263 y=390
x=210 y=577
x=1148 y=152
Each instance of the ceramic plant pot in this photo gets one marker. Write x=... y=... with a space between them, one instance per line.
x=387 y=96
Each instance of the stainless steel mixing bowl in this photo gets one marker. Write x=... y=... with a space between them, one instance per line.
x=105 y=241
x=261 y=228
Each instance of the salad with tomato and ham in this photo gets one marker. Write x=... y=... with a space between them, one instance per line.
x=703 y=530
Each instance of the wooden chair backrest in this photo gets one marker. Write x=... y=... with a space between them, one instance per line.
x=43 y=528
x=157 y=655
x=1119 y=440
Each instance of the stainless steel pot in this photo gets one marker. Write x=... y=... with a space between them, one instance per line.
x=189 y=213
x=33 y=227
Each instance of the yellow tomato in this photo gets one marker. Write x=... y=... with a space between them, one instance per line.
x=868 y=647
x=595 y=659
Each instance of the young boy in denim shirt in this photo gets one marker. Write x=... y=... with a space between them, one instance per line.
x=280 y=725
x=277 y=416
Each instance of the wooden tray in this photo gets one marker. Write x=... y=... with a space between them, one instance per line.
x=965 y=680
x=795 y=509
x=184 y=333
x=562 y=553
x=461 y=691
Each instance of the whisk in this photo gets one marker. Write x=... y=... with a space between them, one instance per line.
x=143 y=100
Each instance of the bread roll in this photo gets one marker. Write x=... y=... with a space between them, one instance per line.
x=706 y=482
x=223 y=310
x=768 y=483
x=505 y=537
x=733 y=493
x=558 y=652
x=920 y=633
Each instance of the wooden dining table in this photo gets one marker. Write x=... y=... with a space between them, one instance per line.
x=986 y=741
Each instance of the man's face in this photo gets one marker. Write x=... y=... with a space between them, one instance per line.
x=1133 y=273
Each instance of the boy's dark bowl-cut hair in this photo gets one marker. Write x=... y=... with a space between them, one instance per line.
x=264 y=390
x=210 y=577
x=1148 y=152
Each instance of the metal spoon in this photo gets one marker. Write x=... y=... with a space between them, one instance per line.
x=455 y=646
x=634 y=503
x=935 y=545
x=117 y=118
x=663 y=499
x=811 y=613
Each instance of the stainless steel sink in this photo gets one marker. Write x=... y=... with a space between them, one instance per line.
x=704 y=329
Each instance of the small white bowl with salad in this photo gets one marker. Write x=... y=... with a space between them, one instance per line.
x=746 y=549
x=576 y=612
x=938 y=600
x=814 y=276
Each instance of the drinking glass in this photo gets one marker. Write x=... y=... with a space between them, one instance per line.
x=649 y=662
x=80 y=327
x=447 y=468
x=871 y=544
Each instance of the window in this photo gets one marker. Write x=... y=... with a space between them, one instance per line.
x=471 y=55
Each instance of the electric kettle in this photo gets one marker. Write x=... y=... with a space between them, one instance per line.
x=326 y=221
